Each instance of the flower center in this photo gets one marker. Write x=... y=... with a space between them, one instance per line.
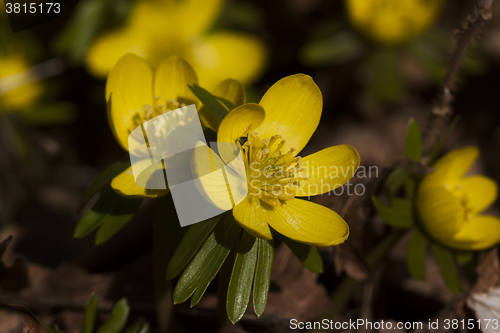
x=149 y=111
x=271 y=175
x=458 y=192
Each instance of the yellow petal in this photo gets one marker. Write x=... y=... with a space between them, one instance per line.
x=240 y=122
x=393 y=21
x=15 y=72
x=172 y=79
x=129 y=88
x=307 y=222
x=480 y=233
x=452 y=166
x=124 y=184
x=108 y=48
x=328 y=169
x=229 y=89
x=481 y=192
x=193 y=16
x=440 y=211
x=251 y=216
x=229 y=54
x=293 y=108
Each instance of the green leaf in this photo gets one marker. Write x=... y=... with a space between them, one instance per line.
x=410 y=187
x=51 y=114
x=263 y=275
x=446 y=263
x=116 y=220
x=93 y=218
x=308 y=255
x=416 y=255
x=429 y=51
x=437 y=148
x=90 y=314
x=385 y=82
x=118 y=318
x=338 y=48
x=78 y=33
x=208 y=261
x=240 y=284
x=396 y=179
x=139 y=328
x=101 y=180
x=211 y=102
x=398 y=215
x=191 y=242
x=228 y=104
x=413 y=142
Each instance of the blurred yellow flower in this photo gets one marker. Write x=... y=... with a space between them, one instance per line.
x=450 y=204
x=158 y=29
x=393 y=21
x=136 y=94
x=276 y=130
x=17 y=89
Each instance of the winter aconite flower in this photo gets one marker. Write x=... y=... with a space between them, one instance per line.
x=136 y=94
x=393 y=21
x=450 y=204
x=158 y=29
x=276 y=130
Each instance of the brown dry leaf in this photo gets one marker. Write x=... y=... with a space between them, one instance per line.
x=298 y=295
x=488 y=271
x=348 y=259
x=31 y=322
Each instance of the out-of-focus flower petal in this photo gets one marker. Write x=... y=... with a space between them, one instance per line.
x=393 y=21
x=481 y=192
x=452 y=166
x=440 y=212
x=480 y=233
x=172 y=79
x=231 y=90
x=228 y=54
x=108 y=48
x=14 y=72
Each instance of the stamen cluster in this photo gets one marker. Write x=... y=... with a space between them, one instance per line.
x=272 y=176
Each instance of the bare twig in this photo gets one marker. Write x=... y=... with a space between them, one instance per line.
x=443 y=109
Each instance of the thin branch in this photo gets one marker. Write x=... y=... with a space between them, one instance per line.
x=443 y=109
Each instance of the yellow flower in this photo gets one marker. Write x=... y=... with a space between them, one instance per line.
x=276 y=130
x=17 y=91
x=136 y=94
x=158 y=29
x=393 y=21
x=450 y=204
